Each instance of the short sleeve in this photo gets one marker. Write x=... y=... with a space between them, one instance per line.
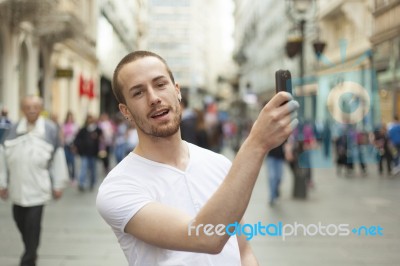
x=118 y=201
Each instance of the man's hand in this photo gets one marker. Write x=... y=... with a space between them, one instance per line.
x=275 y=122
x=3 y=193
x=57 y=194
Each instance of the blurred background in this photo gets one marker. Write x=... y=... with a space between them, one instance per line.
x=222 y=52
x=344 y=57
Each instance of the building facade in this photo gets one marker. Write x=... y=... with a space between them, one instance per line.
x=386 y=45
x=187 y=33
x=46 y=47
x=120 y=26
x=336 y=52
x=262 y=31
x=347 y=91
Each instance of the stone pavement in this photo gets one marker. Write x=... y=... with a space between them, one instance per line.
x=75 y=235
x=356 y=201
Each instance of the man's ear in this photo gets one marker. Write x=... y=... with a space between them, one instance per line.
x=178 y=89
x=124 y=110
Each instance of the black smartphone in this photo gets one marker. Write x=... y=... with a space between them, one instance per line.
x=283 y=81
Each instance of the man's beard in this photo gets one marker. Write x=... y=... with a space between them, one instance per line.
x=160 y=131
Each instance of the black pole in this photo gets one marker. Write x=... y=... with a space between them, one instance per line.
x=300 y=174
x=301 y=66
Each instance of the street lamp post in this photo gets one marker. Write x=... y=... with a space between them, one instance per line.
x=302 y=24
x=299 y=11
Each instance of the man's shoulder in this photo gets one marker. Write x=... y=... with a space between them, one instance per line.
x=206 y=154
x=394 y=128
x=50 y=125
x=128 y=170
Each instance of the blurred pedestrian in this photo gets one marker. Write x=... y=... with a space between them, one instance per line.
x=341 y=153
x=361 y=142
x=5 y=124
x=107 y=130
x=382 y=145
x=132 y=138
x=120 y=142
x=188 y=122
x=348 y=145
x=394 y=136
x=295 y=155
x=305 y=135
x=70 y=129
x=87 y=143
x=202 y=138
x=275 y=160
x=33 y=171
x=327 y=138
x=4 y=120
x=214 y=127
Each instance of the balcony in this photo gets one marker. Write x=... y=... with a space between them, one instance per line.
x=387 y=21
x=18 y=11
x=52 y=20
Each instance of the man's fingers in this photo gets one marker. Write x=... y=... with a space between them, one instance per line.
x=289 y=120
x=293 y=115
x=290 y=107
x=280 y=98
x=294 y=123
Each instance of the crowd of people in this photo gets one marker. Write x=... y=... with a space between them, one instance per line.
x=349 y=148
x=352 y=146
x=99 y=139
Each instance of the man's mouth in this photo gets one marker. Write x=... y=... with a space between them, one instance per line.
x=159 y=113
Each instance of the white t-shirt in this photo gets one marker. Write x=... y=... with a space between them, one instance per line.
x=137 y=181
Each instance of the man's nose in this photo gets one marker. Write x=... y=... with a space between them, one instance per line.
x=153 y=97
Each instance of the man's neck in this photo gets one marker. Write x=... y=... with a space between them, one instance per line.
x=171 y=151
x=30 y=125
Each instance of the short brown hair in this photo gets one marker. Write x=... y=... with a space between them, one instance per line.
x=133 y=56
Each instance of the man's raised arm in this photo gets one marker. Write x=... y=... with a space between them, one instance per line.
x=170 y=228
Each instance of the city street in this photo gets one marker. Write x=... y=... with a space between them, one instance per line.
x=74 y=234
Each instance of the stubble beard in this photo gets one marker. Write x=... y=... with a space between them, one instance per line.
x=160 y=131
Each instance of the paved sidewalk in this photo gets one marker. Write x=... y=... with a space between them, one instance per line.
x=75 y=235
x=357 y=201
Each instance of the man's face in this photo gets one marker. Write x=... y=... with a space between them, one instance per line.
x=151 y=97
x=31 y=107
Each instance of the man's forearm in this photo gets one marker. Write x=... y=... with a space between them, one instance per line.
x=230 y=201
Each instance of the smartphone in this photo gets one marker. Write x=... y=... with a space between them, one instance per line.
x=283 y=81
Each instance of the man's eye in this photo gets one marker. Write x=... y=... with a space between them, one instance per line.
x=161 y=84
x=137 y=93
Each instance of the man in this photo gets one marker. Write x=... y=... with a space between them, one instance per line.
x=32 y=170
x=275 y=161
x=107 y=130
x=394 y=136
x=166 y=187
x=87 y=143
x=5 y=124
x=188 y=122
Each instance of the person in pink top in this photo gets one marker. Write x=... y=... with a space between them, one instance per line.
x=69 y=130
